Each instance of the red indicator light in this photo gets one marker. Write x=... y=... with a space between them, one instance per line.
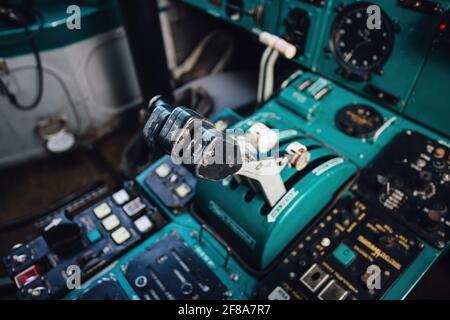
x=442 y=27
x=27 y=276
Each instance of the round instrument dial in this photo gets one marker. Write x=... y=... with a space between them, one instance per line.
x=359 y=120
x=357 y=48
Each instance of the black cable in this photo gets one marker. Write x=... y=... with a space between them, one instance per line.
x=11 y=96
x=28 y=35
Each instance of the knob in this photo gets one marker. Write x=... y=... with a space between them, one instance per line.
x=187 y=288
x=63 y=236
x=422 y=185
x=434 y=216
x=439 y=153
x=387 y=240
x=333 y=231
x=344 y=219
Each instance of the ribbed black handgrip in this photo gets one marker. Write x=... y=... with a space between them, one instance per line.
x=191 y=140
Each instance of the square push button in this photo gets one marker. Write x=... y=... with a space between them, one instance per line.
x=120 y=235
x=163 y=170
x=111 y=222
x=120 y=197
x=133 y=207
x=94 y=236
x=344 y=254
x=102 y=210
x=183 y=190
x=143 y=224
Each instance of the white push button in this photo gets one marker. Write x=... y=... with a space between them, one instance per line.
x=163 y=170
x=120 y=235
x=102 y=210
x=120 y=197
x=182 y=190
x=143 y=224
x=111 y=222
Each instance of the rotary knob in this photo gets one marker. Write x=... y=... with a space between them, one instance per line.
x=423 y=186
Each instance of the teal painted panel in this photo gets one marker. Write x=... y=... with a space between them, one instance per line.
x=276 y=115
x=430 y=100
x=413 y=274
x=317 y=16
x=239 y=283
x=284 y=117
x=412 y=74
x=248 y=18
x=411 y=45
x=321 y=125
x=54 y=33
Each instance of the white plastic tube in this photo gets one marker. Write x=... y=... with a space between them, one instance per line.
x=278 y=44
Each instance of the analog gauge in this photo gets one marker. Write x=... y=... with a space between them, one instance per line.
x=359 y=50
x=359 y=120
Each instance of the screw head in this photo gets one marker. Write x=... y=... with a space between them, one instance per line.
x=440 y=244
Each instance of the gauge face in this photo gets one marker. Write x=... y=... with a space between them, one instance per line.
x=359 y=120
x=358 y=49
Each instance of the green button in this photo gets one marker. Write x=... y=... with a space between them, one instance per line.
x=94 y=235
x=344 y=254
